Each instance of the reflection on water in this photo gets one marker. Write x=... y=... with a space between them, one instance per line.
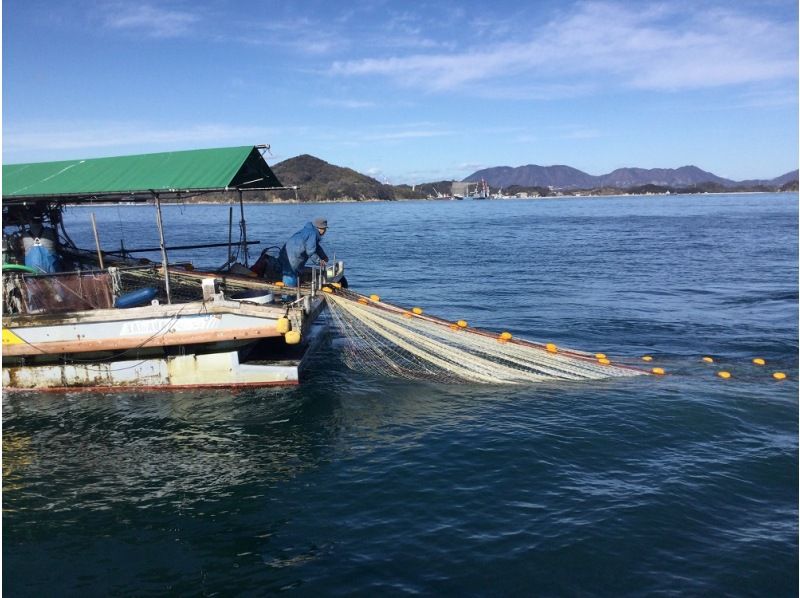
x=190 y=448
x=156 y=449
x=17 y=456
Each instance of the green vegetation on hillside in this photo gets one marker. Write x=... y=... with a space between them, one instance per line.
x=316 y=180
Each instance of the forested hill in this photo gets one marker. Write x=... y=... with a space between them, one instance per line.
x=318 y=180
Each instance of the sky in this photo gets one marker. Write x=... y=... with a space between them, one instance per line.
x=409 y=92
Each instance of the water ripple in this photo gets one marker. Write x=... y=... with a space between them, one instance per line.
x=354 y=484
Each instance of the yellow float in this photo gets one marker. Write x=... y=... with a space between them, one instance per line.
x=283 y=325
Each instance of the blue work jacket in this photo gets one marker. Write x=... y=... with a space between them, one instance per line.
x=301 y=246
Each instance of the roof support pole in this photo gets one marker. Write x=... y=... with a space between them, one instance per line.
x=97 y=243
x=230 y=236
x=164 y=262
x=243 y=226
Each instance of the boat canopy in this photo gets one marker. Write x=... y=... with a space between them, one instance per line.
x=140 y=176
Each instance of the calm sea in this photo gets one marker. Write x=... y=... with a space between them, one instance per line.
x=356 y=485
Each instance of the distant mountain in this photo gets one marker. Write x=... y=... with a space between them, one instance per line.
x=534 y=176
x=318 y=180
x=784 y=179
x=566 y=177
x=685 y=176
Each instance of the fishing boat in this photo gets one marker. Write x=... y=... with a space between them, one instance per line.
x=97 y=318
x=442 y=196
x=481 y=190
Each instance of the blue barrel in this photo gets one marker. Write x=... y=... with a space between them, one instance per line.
x=136 y=298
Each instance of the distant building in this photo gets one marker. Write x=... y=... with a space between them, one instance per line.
x=459 y=189
x=479 y=190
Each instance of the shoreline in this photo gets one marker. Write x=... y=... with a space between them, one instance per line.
x=422 y=199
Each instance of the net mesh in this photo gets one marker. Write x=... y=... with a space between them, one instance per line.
x=77 y=291
x=181 y=289
x=56 y=294
x=391 y=341
x=184 y=286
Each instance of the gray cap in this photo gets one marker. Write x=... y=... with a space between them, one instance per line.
x=320 y=223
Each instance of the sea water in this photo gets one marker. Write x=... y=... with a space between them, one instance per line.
x=685 y=484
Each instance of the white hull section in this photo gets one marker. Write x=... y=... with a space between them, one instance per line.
x=153 y=326
x=214 y=369
x=222 y=369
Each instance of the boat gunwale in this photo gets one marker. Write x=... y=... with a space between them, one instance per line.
x=165 y=339
x=190 y=308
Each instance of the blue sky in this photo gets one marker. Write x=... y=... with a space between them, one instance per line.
x=409 y=92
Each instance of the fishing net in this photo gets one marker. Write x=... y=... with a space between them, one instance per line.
x=74 y=291
x=184 y=285
x=392 y=341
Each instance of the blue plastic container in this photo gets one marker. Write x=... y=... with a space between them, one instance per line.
x=136 y=298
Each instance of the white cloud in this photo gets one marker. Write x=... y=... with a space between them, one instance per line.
x=581 y=134
x=470 y=166
x=644 y=46
x=764 y=98
x=301 y=35
x=42 y=141
x=525 y=139
x=37 y=141
x=149 y=20
x=348 y=104
x=407 y=134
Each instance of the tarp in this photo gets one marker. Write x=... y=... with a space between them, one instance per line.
x=218 y=168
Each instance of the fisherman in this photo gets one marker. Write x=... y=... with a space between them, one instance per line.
x=41 y=247
x=301 y=246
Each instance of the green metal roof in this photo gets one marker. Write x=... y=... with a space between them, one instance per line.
x=163 y=172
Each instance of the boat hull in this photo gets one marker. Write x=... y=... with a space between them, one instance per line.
x=215 y=343
x=141 y=328
x=228 y=369
x=180 y=371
